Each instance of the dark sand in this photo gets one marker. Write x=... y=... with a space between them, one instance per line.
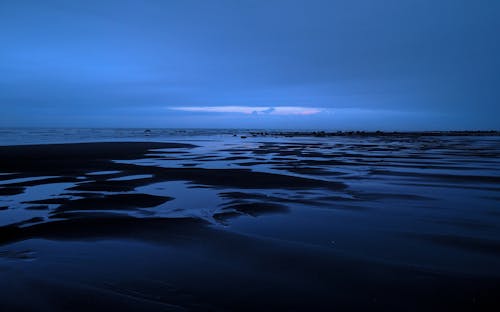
x=278 y=225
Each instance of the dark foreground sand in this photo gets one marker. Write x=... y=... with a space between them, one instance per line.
x=296 y=227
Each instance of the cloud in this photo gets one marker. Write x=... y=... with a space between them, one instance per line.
x=94 y=58
x=279 y=110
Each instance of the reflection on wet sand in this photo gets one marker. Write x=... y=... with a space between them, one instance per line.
x=384 y=223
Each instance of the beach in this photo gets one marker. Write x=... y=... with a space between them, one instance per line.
x=348 y=223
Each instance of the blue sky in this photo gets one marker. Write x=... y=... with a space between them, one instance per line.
x=357 y=64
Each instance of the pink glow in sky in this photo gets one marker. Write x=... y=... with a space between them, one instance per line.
x=279 y=110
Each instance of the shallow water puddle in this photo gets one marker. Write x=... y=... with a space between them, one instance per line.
x=189 y=200
x=17 y=204
x=103 y=172
x=132 y=177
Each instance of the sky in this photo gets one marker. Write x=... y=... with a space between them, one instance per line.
x=331 y=65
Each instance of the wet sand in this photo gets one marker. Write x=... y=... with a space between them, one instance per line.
x=372 y=223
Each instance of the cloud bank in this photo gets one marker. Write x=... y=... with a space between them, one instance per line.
x=278 y=110
x=289 y=63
